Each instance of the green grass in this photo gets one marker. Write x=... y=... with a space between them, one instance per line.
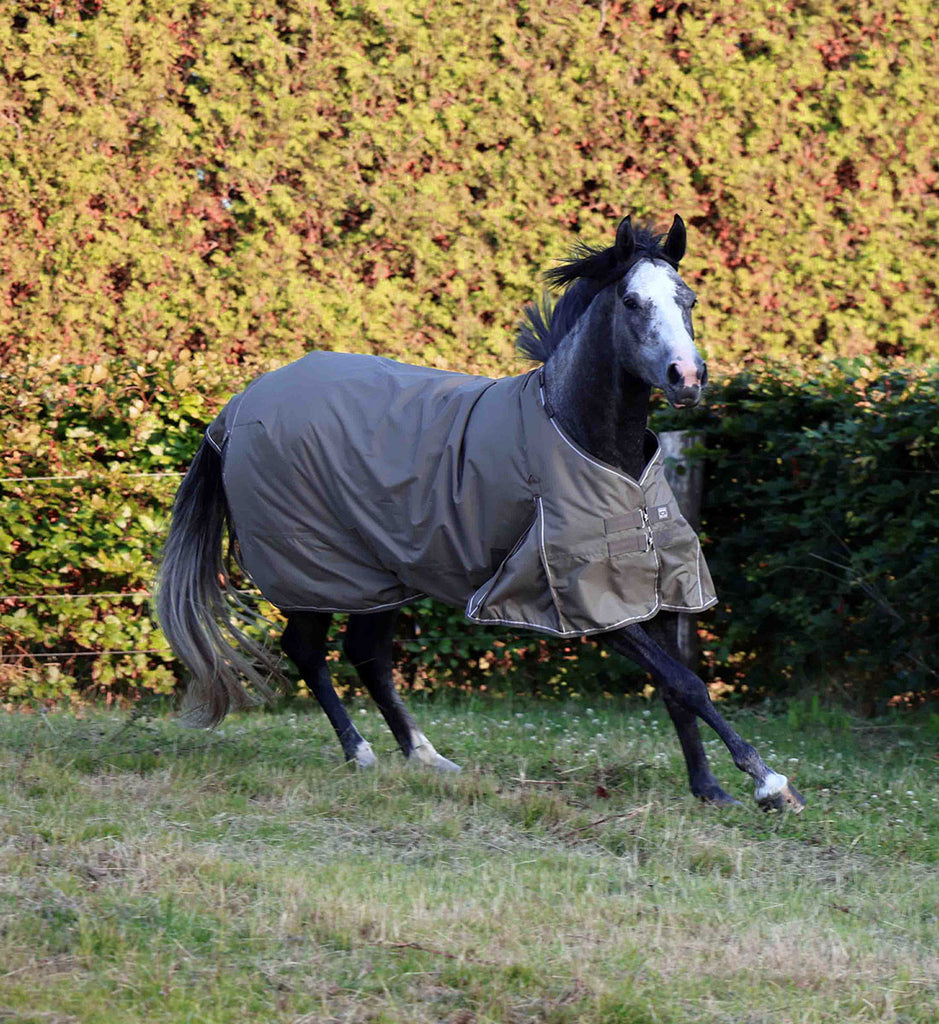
x=149 y=873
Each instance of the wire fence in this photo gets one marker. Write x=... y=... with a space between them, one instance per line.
x=53 y=595
x=64 y=655
x=508 y=639
x=97 y=477
x=178 y=474
x=504 y=639
x=111 y=474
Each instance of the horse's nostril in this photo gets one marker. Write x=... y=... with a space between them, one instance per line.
x=704 y=375
x=674 y=375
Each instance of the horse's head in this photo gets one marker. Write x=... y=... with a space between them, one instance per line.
x=653 y=337
x=624 y=304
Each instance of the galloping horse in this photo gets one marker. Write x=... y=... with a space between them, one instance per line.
x=352 y=483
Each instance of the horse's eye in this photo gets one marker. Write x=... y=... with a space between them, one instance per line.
x=631 y=303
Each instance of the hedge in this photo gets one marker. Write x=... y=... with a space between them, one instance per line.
x=257 y=177
x=820 y=525
x=193 y=193
x=822 y=528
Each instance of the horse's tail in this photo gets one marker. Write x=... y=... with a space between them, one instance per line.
x=199 y=611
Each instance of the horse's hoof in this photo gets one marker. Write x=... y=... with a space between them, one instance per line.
x=364 y=756
x=709 y=791
x=776 y=793
x=431 y=759
x=423 y=752
x=717 y=797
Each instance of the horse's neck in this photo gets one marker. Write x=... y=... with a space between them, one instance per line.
x=601 y=408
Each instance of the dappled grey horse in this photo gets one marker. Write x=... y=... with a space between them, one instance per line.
x=352 y=483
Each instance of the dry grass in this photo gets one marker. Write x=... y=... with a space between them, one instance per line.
x=151 y=874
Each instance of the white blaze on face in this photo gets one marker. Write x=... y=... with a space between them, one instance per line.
x=657 y=284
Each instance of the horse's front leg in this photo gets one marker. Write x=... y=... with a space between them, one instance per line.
x=368 y=646
x=663 y=629
x=704 y=784
x=679 y=684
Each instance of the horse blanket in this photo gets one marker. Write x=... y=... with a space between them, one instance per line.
x=356 y=483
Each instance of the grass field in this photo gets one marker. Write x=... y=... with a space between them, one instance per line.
x=148 y=873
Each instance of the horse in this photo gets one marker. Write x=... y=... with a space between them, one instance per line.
x=352 y=483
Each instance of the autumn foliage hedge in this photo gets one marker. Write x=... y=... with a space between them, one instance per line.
x=193 y=192
x=251 y=177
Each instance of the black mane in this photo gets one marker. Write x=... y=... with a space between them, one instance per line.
x=585 y=273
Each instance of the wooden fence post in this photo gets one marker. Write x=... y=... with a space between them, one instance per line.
x=686 y=478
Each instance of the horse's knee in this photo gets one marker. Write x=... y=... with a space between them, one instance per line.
x=678 y=712
x=684 y=690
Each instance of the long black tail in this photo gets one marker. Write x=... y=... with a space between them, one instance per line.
x=199 y=611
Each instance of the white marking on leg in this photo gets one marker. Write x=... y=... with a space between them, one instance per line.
x=364 y=755
x=422 y=751
x=770 y=786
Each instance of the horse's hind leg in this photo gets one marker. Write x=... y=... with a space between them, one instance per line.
x=304 y=642
x=368 y=645
x=664 y=630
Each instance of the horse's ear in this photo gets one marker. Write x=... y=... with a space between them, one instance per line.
x=625 y=240
x=674 y=247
